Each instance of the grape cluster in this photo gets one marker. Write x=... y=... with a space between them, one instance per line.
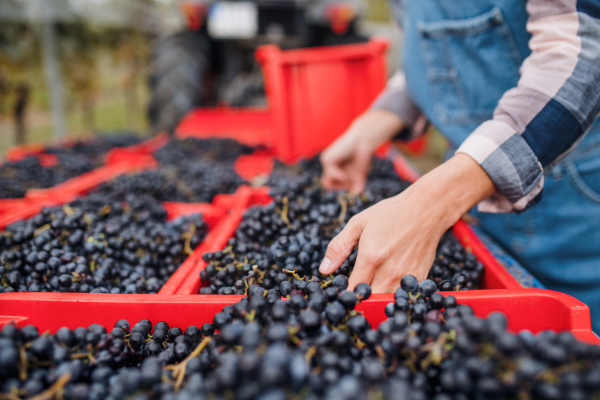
x=201 y=168
x=382 y=180
x=96 y=148
x=181 y=151
x=18 y=177
x=287 y=239
x=97 y=245
x=202 y=182
x=315 y=345
x=191 y=170
x=116 y=239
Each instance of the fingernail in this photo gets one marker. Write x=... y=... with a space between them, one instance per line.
x=325 y=266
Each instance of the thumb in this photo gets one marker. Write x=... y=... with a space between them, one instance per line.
x=341 y=246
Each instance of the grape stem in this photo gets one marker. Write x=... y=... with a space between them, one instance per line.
x=53 y=390
x=179 y=369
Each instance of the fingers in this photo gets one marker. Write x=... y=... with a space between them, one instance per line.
x=415 y=262
x=333 y=174
x=360 y=170
x=387 y=278
x=341 y=246
x=334 y=177
x=367 y=263
x=358 y=184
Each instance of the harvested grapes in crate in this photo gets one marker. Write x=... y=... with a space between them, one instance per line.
x=58 y=164
x=316 y=345
x=97 y=244
x=286 y=240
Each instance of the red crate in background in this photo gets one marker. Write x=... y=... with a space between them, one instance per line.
x=118 y=160
x=532 y=309
x=312 y=94
x=316 y=93
x=139 y=150
x=17 y=153
x=89 y=180
x=29 y=207
x=260 y=163
x=11 y=205
x=211 y=214
x=249 y=125
x=13 y=210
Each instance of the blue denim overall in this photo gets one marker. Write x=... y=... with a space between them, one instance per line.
x=460 y=56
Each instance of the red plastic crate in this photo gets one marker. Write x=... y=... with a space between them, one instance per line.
x=18 y=153
x=139 y=150
x=27 y=209
x=251 y=166
x=217 y=238
x=494 y=277
x=250 y=125
x=16 y=209
x=546 y=310
x=312 y=94
x=89 y=180
x=316 y=93
x=10 y=205
x=211 y=214
x=118 y=161
x=62 y=194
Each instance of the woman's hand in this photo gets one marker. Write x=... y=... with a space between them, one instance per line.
x=399 y=235
x=346 y=162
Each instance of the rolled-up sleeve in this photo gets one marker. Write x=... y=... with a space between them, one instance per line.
x=556 y=100
x=395 y=98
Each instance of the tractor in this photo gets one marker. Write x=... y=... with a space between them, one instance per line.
x=211 y=61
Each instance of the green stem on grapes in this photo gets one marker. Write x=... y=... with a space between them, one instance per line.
x=310 y=353
x=179 y=370
x=54 y=390
x=24 y=364
x=326 y=283
x=284 y=212
x=251 y=315
x=68 y=209
x=188 y=239
x=41 y=229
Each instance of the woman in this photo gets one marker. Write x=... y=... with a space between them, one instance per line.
x=515 y=86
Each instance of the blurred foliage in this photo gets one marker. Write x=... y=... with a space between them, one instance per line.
x=19 y=50
x=80 y=47
x=103 y=71
x=378 y=11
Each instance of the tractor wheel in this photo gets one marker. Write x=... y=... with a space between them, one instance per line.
x=177 y=78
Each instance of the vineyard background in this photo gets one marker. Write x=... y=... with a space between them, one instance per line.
x=103 y=48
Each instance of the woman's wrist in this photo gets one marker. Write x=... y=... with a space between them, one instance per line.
x=453 y=188
x=376 y=127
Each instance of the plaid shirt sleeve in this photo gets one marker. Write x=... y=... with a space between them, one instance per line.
x=396 y=99
x=553 y=106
